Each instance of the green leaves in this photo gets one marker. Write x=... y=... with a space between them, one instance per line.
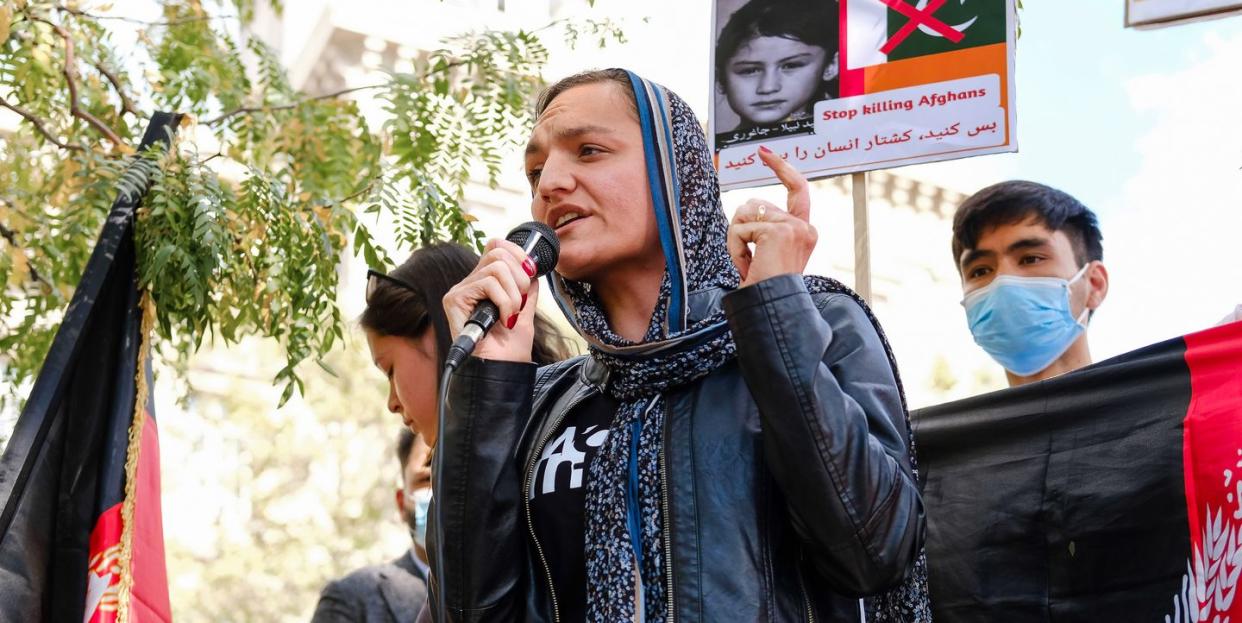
x=251 y=214
x=198 y=66
x=451 y=120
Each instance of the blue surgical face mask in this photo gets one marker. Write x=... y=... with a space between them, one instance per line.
x=1024 y=323
x=417 y=519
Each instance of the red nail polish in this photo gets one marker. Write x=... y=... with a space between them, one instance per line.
x=523 y=305
x=512 y=322
x=764 y=149
x=528 y=265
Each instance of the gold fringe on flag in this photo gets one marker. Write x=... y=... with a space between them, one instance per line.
x=131 y=461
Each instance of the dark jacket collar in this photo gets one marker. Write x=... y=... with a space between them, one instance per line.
x=397 y=591
x=702 y=304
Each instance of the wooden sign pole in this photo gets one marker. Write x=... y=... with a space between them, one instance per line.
x=862 y=237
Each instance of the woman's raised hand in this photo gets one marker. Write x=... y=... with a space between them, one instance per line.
x=783 y=239
x=504 y=275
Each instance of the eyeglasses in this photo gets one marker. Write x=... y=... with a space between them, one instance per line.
x=374 y=277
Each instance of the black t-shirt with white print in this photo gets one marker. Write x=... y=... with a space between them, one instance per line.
x=558 y=499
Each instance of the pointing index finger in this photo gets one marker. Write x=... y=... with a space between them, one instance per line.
x=799 y=201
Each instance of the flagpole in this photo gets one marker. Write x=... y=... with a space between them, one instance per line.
x=862 y=237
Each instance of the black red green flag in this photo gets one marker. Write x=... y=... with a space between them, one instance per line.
x=81 y=535
x=1113 y=493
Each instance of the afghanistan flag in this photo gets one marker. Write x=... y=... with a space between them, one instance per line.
x=1113 y=493
x=81 y=538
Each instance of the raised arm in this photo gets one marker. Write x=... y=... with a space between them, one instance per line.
x=834 y=430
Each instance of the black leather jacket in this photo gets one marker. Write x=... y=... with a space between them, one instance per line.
x=787 y=481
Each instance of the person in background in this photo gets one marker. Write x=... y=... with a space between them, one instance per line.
x=1031 y=262
x=408 y=335
x=392 y=592
x=408 y=338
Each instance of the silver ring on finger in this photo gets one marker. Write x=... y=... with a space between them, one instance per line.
x=763 y=210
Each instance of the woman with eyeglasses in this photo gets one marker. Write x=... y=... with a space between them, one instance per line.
x=408 y=334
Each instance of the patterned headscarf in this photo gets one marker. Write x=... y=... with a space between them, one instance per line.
x=624 y=510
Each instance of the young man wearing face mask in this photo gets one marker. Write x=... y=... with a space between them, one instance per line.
x=392 y=592
x=1031 y=262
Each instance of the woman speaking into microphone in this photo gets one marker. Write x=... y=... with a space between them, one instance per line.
x=734 y=447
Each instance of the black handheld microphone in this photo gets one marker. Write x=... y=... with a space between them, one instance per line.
x=541 y=245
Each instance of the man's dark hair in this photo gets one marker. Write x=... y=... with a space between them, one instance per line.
x=1015 y=201
x=405 y=445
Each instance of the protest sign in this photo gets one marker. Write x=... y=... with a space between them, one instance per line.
x=1155 y=13
x=842 y=86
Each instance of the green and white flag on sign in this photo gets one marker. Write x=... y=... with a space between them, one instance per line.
x=892 y=30
x=980 y=22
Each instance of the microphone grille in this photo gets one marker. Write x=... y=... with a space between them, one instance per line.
x=547 y=248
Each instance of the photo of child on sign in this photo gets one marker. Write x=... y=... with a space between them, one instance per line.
x=774 y=60
x=837 y=86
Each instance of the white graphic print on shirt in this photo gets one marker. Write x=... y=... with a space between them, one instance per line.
x=568 y=449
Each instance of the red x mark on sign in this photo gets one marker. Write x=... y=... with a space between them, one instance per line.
x=918 y=17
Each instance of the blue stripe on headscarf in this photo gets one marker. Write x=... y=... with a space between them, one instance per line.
x=655 y=179
x=633 y=513
x=674 y=200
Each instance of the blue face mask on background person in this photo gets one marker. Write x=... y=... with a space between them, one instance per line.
x=1024 y=323
x=417 y=519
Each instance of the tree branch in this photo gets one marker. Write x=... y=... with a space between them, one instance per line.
x=127 y=105
x=71 y=78
x=9 y=235
x=38 y=124
x=143 y=22
x=334 y=94
x=366 y=188
x=325 y=96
